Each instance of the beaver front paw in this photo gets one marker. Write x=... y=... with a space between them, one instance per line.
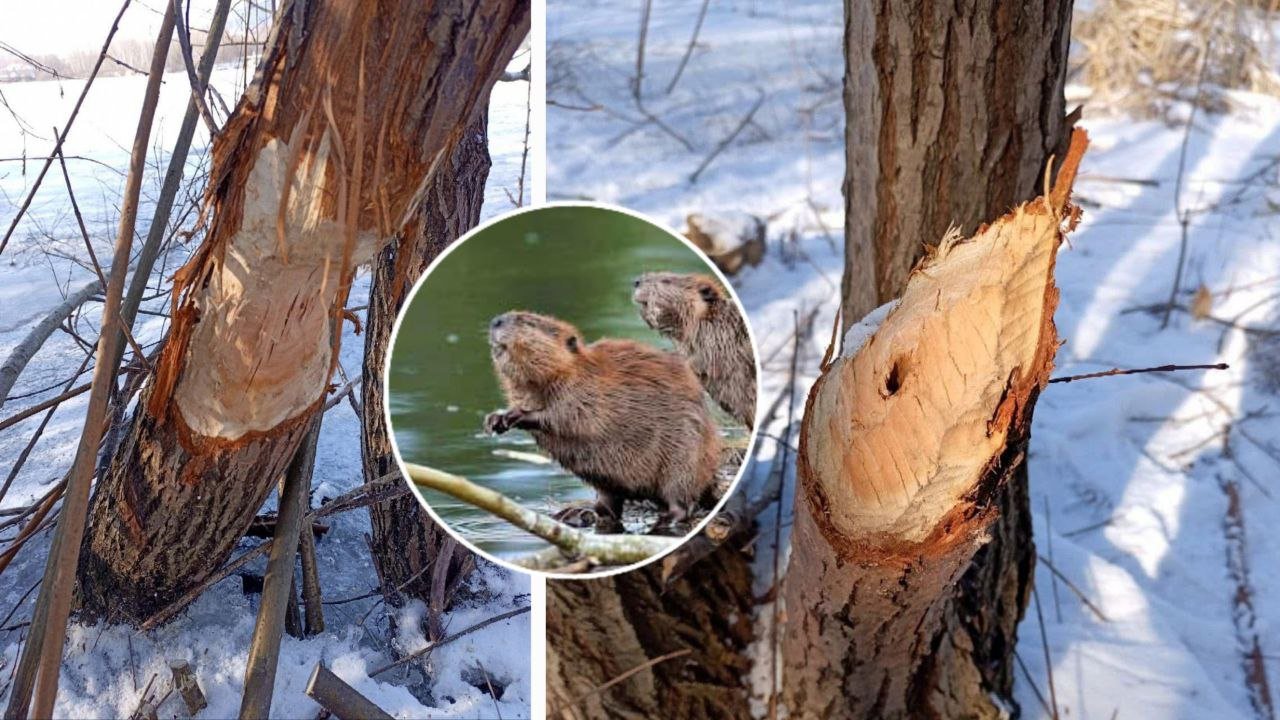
x=500 y=421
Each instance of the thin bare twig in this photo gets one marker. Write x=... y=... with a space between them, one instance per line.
x=57 y=148
x=605 y=686
x=728 y=140
x=446 y=640
x=688 y=51
x=1135 y=371
x=1184 y=217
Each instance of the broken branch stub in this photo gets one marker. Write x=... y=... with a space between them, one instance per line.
x=905 y=440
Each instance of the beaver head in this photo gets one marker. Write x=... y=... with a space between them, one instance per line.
x=531 y=349
x=672 y=303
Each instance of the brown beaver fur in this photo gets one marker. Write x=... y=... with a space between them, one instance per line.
x=704 y=323
x=625 y=417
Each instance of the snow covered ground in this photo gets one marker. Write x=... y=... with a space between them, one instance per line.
x=107 y=668
x=1127 y=473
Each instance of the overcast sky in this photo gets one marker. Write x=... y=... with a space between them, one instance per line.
x=60 y=27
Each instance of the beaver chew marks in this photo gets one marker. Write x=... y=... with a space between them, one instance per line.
x=900 y=437
x=263 y=332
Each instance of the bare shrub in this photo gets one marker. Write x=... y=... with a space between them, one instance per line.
x=1141 y=56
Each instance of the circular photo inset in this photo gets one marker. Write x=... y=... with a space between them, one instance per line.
x=572 y=389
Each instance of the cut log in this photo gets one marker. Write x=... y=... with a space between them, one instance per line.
x=908 y=451
x=339 y=698
x=355 y=104
x=730 y=239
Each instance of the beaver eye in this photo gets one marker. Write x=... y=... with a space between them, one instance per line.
x=708 y=293
x=572 y=343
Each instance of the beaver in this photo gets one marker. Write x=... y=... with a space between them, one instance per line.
x=626 y=418
x=704 y=323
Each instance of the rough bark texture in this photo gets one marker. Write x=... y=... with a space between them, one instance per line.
x=599 y=629
x=951 y=110
x=406 y=542
x=912 y=555
x=354 y=105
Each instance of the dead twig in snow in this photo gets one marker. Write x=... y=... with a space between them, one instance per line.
x=1048 y=661
x=445 y=641
x=688 y=51
x=1184 y=217
x=728 y=140
x=1072 y=586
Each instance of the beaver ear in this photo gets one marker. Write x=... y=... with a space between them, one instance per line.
x=572 y=343
x=709 y=293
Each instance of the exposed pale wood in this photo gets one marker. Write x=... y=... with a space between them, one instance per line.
x=912 y=452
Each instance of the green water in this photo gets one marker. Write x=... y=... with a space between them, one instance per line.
x=575 y=263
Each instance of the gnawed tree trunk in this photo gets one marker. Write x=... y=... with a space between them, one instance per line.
x=951 y=110
x=355 y=103
x=908 y=570
x=597 y=630
x=415 y=557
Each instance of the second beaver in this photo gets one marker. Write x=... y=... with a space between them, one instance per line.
x=705 y=325
x=625 y=417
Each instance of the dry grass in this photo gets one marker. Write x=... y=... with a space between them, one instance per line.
x=1142 y=56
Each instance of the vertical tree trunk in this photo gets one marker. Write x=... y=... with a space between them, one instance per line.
x=597 y=630
x=354 y=105
x=415 y=557
x=952 y=111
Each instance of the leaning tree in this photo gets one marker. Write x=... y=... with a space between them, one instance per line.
x=355 y=107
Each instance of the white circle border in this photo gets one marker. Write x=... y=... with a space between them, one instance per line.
x=386 y=388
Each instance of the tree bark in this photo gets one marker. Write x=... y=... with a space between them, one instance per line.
x=599 y=629
x=354 y=106
x=951 y=110
x=911 y=553
x=406 y=542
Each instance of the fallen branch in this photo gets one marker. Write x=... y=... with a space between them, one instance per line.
x=35 y=339
x=340 y=699
x=607 y=549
